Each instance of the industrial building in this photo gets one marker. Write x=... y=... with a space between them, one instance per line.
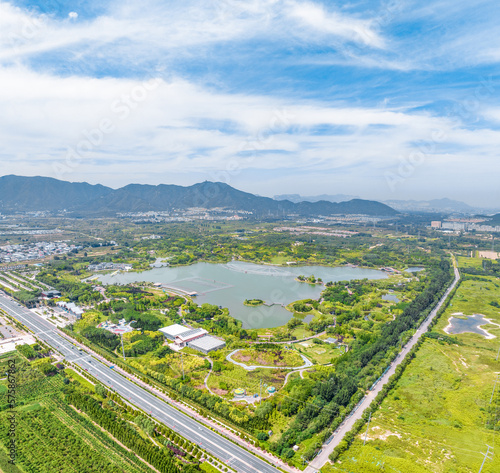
x=197 y=338
x=206 y=344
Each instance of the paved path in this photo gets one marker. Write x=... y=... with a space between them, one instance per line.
x=307 y=364
x=356 y=414
x=208 y=375
x=292 y=372
x=290 y=342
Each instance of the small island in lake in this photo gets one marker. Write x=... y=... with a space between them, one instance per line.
x=309 y=280
x=253 y=302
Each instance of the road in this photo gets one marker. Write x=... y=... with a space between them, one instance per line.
x=307 y=364
x=220 y=447
x=348 y=424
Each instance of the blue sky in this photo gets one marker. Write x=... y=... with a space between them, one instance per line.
x=393 y=99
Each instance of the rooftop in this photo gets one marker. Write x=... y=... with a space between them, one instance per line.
x=207 y=343
x=174 y=330
x=186 y=336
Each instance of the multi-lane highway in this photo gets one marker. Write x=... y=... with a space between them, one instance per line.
x=231 y=454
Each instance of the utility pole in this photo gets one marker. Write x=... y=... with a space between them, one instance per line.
x=494 y=386
x=123 y=349
x=182 y=362
x=486 y=456
x=367 y=427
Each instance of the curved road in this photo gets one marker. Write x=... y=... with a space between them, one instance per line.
x=229 y=453
x=319 y=461
x=307 y=364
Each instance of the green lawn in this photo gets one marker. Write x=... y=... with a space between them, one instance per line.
x=435 y=419
x=319 y=354
x=70 y=373
x=466 y=262
x=280 y=356
x=233 y=377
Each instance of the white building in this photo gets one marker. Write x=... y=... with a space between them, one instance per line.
x=71 y=308
x=197 y=338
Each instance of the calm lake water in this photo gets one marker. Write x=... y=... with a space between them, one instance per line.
x=414 y=269
x=471 y=324
x=228 y=285
x=390 y=297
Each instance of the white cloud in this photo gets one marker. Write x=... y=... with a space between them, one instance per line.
x=176 y=128
x=316 y=18
x=183 y=127
x=153 y=28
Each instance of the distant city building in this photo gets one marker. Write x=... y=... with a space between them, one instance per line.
x=466 y=226
x=35 y=251
x=436 y=224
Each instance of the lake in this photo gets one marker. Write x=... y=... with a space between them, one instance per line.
x=228 y=285
x=390 y=297
x=472 y=324
x=414 y=269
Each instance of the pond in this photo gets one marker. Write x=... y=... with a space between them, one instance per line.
x=414 y=269
x=390 y=297
x=228 y=285
x=471 y=324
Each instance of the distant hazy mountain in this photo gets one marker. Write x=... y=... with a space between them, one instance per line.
x=493 y=220
x=436 y=205
x=44 y=193
x=315 y=198
x=41 y=193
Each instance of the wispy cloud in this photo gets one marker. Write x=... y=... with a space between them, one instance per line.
x=317 y=88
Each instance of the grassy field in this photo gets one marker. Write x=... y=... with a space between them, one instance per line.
x=435 y=420
x=277 y=357
x=72 y=374
x=466 y=262
x=319 y=354
x=233 y=377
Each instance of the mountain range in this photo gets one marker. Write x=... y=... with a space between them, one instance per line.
x=29 y=194
x=315 y=198
x=435 y=205
x=448 y=206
